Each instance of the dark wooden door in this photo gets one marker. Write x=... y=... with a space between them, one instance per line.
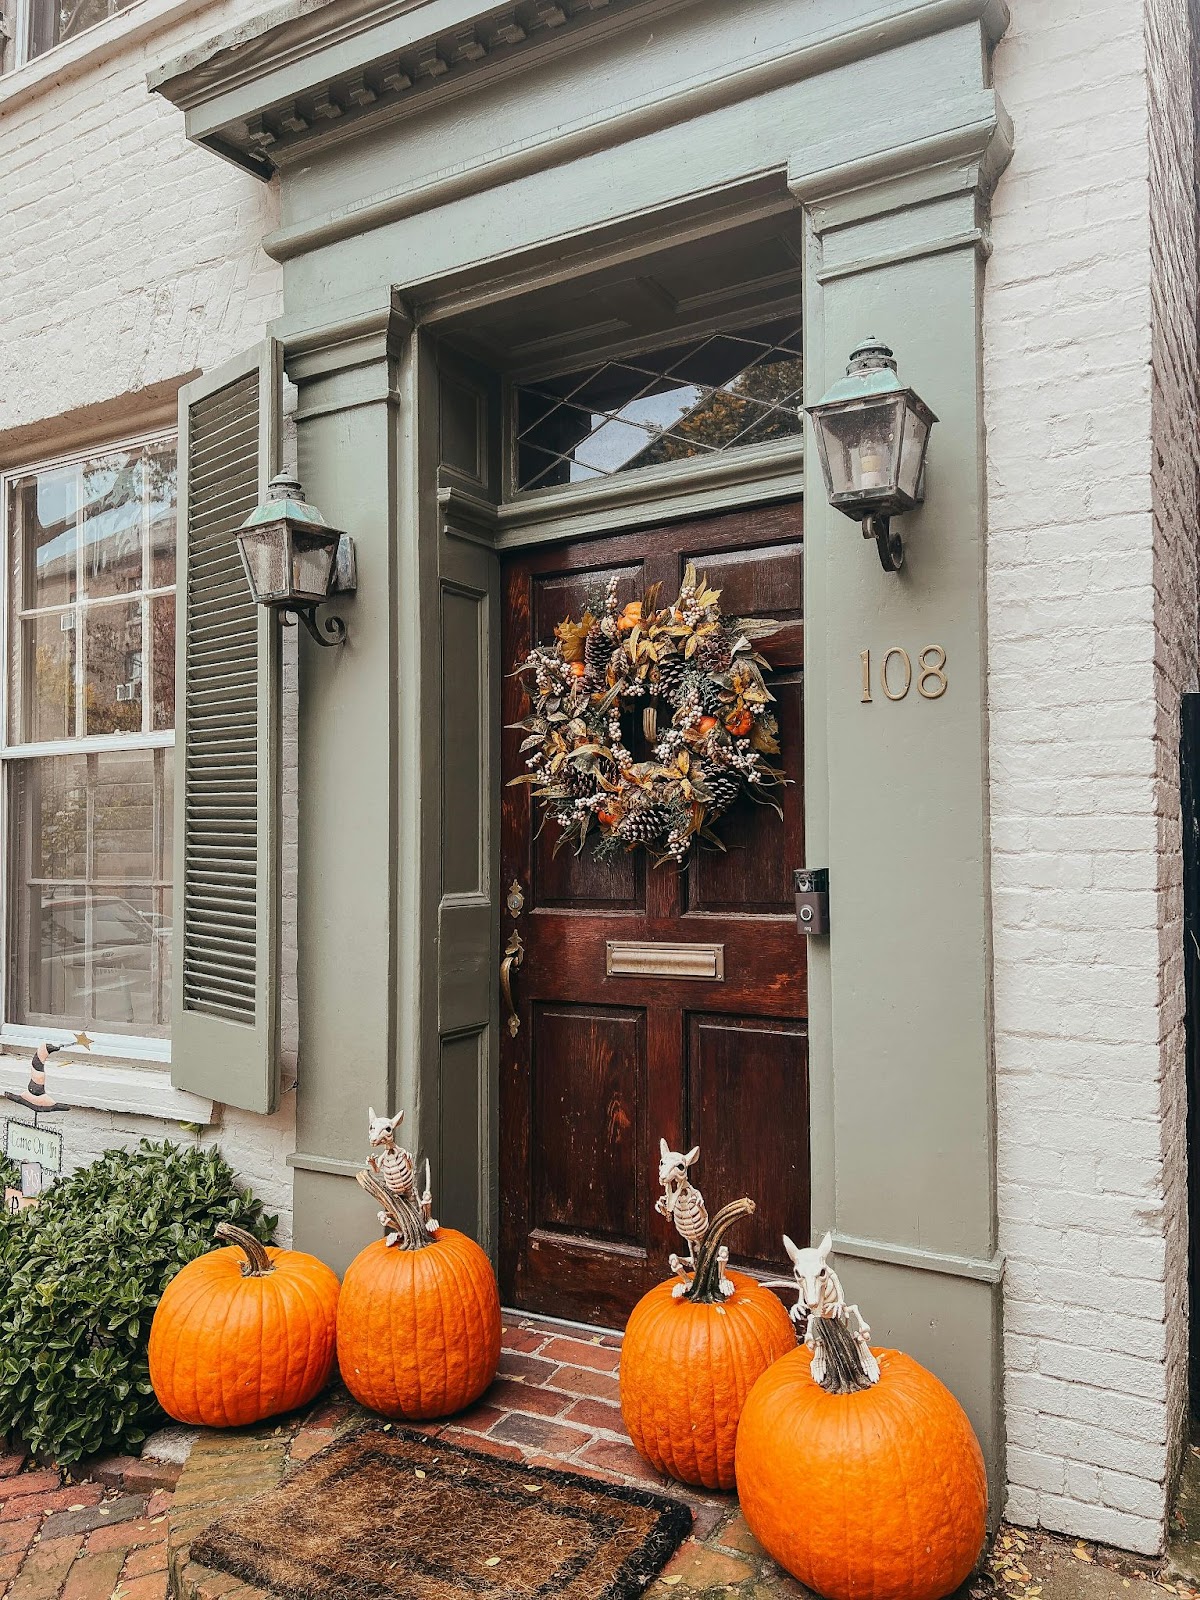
x=600 y=1065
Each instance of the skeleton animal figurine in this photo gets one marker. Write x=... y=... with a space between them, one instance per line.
x=397 y=1171
x=684 y=1205
x=841 y=1348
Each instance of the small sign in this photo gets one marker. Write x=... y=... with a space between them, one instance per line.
x=35 y=1144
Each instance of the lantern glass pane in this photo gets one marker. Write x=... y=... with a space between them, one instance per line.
x=263 y=552
x=312 y=566
x=862 y=445
x=912 y=453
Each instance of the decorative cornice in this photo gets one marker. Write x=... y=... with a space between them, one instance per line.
x=377 y=88
x=317 y=71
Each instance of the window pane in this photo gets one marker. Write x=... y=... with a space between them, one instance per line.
x=44 y=701
x=91 y=857
x=112 y=525
x=113 y=668
x=44 y=511
x=53 y=21
x=709 y=394
x=162 y=660
x=159 y=477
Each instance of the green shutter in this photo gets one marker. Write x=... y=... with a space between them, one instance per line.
x=225 y=1023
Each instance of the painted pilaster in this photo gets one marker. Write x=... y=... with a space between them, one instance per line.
x=900 y=994
x=357 y=1003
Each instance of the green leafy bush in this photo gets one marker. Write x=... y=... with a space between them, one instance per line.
x=10 y=1174
x=80 y=1277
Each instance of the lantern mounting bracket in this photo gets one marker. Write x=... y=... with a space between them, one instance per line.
x=887 y=541
x=332 y=630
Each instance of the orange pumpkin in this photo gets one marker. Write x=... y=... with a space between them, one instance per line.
x=243 y=1333
x=739 y=723
x=688 y=1364
x=419 y=1329
x=876 y=1495
x=706 y=724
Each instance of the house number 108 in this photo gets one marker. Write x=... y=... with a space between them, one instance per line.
x=897 y=672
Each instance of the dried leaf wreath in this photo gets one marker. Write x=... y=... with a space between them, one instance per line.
x=685 y=658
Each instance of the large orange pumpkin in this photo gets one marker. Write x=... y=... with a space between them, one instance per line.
x=876 y=1495
x=688 y=1364
x=243 y=1333
x=419 y=1329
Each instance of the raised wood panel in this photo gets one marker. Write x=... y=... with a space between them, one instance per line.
x=588 y=1133
x=464 y=739
x=765 y=581
x=748 y=1111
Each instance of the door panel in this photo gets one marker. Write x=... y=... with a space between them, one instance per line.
x=601 y=1065
x=589 y=1097
x=748 y=1087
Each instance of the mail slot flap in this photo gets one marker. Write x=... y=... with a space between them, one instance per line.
x=635 y=958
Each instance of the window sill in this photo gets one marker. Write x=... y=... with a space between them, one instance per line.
x=145 y=1091
x=91 y=48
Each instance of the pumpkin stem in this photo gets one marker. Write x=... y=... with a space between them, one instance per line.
x=705 y=1287
x=400 y=1215
x=257 y=1263
x=843 y=1369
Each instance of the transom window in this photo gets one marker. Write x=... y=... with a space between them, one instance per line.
x=90 y=690
x=694 y=398
x=41 y=24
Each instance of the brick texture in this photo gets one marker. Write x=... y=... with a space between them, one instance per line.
x=1090 y=382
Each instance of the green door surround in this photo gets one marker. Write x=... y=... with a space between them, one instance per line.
x=404 y=214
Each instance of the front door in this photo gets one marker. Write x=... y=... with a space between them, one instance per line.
x=599 y=1065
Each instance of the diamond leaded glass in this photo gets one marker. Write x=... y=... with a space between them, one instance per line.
x=697 y=398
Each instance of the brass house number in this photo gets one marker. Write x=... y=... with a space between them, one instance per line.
x=897 y=671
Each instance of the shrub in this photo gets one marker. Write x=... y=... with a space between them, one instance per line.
x=10 y=1174
x=80 y=1277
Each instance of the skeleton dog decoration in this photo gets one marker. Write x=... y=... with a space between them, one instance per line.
x=835 y=1333
x=683 y=1203
x=391 y=1178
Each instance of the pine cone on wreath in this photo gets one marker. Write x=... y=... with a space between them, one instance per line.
x=576 y=781
x=723 y=789
x=597 y=652
x=714 y=654
x=644 y=826
x=671 y=673
x=710 y=698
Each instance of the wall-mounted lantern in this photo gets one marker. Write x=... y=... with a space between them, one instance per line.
x=294 y=560
x=872 y=434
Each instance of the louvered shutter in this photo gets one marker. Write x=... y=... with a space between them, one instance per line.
x=225 y=1025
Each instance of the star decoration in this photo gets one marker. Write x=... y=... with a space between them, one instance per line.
x=82 y=1040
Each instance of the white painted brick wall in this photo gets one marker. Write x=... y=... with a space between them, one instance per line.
x=1089 y=350
x=130 y=259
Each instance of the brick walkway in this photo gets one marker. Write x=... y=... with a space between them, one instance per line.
x=83 y=1541
x=118 y=1536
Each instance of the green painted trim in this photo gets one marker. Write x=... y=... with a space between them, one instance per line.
x=969 y=239
x=328 y=1164
x=648 y=114
x=752 y=475
x=984 y=1270
x=978 y=127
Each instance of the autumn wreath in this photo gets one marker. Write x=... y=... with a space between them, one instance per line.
x=686 y=659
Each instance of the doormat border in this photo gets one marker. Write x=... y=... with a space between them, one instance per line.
x=674 y=1524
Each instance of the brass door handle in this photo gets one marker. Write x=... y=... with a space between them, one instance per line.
x=514 y=954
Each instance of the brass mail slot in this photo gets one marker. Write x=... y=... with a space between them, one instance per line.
x=631 y=959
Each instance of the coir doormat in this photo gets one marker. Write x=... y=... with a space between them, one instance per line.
x=398 y=1516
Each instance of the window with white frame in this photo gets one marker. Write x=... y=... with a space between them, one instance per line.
x=88 y=741
x=41 y=24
